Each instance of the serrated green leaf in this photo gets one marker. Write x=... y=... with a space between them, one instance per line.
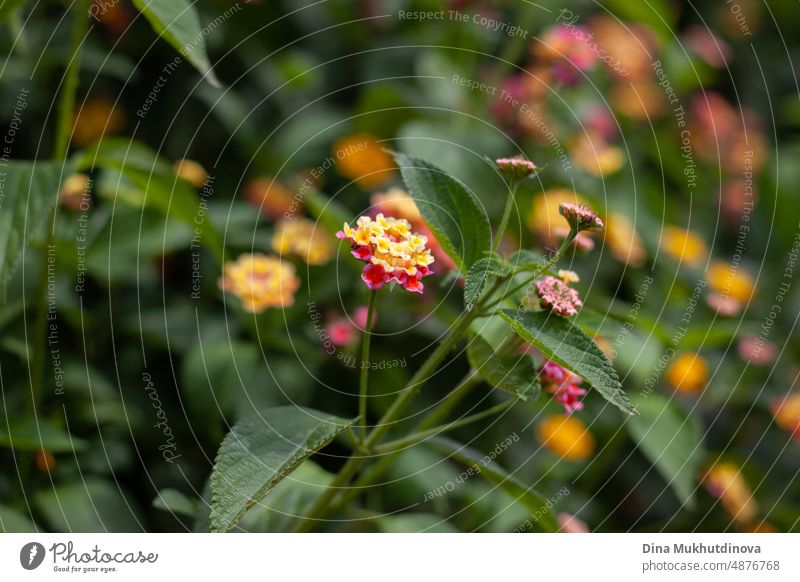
x=478 y=276
x=259 y=452
x=672 y=440
x=514 y=373
x=32 y=434
x=528 y=497
x=452 y=212
x=28 y=193
x=567 y=345
x=177 y=22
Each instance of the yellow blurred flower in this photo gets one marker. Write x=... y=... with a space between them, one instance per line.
x=685 y=246
x=730 y=281
x=260 y=281
x=361 y=158
x=272 y=197
x=595 y=156
x=630 y=48
x=75 y=192
x=566 y=436
x=544 y=219
x=303 y=238
x=725 y=481
x=190 y=171
x=95 y=118
x=688 y=373
x=623 y=240
x=786 y=412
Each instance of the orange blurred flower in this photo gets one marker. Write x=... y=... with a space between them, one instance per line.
x=725 y=482
x=96 y=118
x=272 y=197
x=75 y=192
x=361 y=158
x=596 y=157
x=190 y=171
x=786 y=412
x=730 y=281
x=566 y=436
x=688 y=373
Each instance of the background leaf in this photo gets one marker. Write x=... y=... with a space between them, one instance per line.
x=672 y=440
x=567 y=345
x=514 y=373
x=478 y=276
x=451 y=211
x=29 y=192
x=492 y=472
x=259 y=452
x=177 y=22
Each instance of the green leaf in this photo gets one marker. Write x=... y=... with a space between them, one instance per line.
x=7 y=7
x=177 y=22
x=149 y=175
x=452 y=212
x=594 y=323
x=528 y=497
x=478 y=276
x=672 y=440
x=526 y=260
x=28 y=193
x=514 y=373
x=173 y=501
x=88 y=506
x=414 y=523
x=259 y=452
x=32 y=434
x=567 y=345
x=13 y=521
x=657 y=14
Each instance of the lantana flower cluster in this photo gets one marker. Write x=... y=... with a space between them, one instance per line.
x=563 y=385
x=391 y=251
x=260 y=281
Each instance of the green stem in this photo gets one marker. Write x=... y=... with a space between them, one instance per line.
x=510 y=198
x=66 y=104
x=439 y=412
x=412 y=439
x=353 y=464
x=364 y=381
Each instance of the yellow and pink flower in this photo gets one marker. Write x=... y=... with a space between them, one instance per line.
x=260 y=282
x=391 y=251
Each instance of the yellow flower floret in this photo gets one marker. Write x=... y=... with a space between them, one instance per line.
x=302 y=237
x=260 y=281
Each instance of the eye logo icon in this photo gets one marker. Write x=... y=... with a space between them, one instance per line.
x=31 y=555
